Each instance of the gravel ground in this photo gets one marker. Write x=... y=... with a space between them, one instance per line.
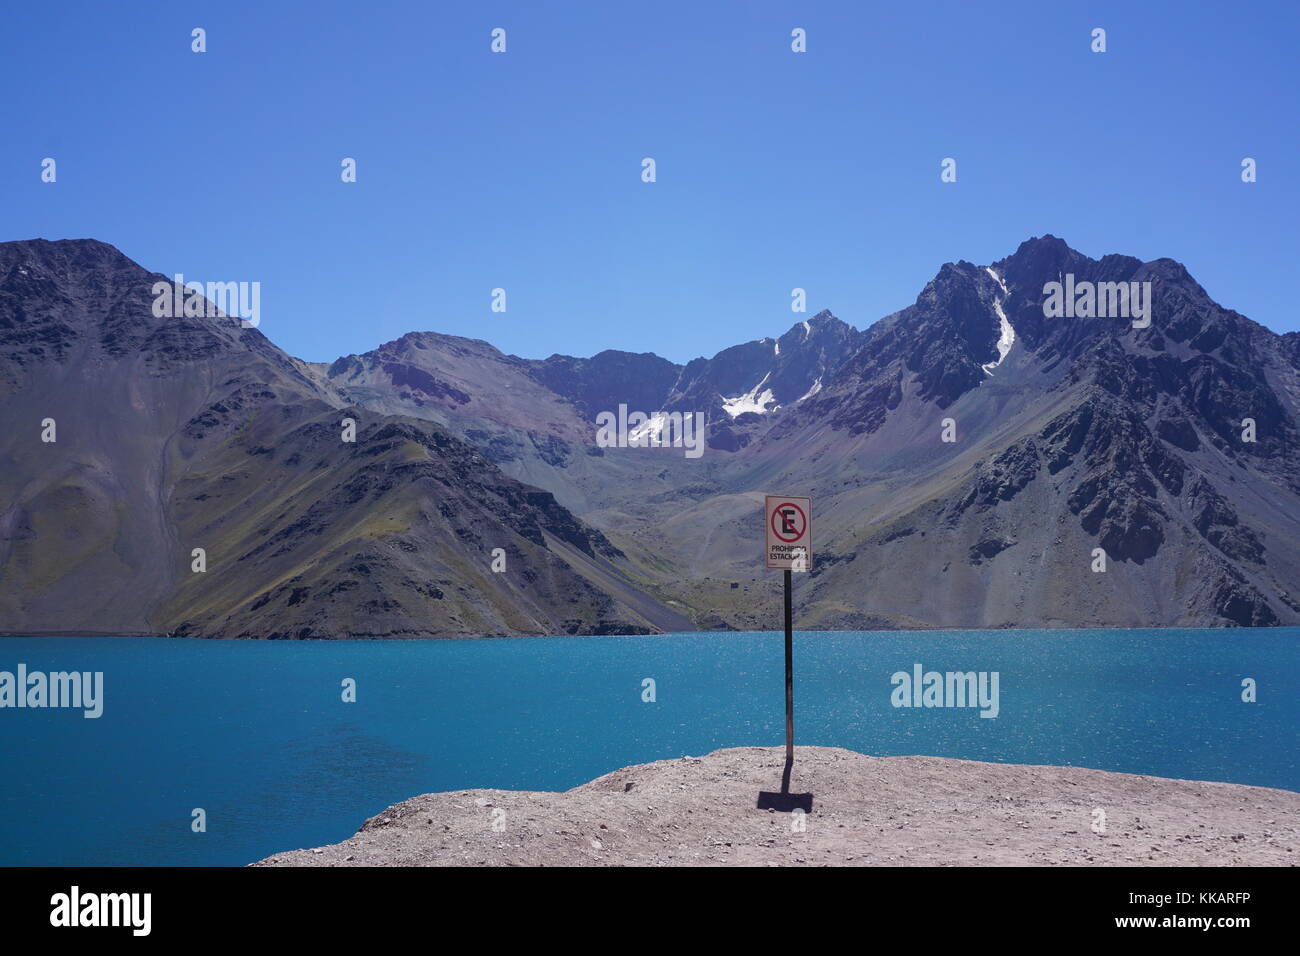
x=866 y=811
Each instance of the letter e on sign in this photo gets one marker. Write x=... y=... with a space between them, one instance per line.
x=788 y=526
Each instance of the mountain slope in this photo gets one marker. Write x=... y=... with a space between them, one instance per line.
x=1086 y=434
x=179 y=433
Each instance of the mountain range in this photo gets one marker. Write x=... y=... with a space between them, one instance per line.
x=973 y=463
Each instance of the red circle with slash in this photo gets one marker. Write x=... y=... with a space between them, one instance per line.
x=777 y=527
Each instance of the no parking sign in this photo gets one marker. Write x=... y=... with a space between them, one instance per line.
x=789 y=532
x=788 y=524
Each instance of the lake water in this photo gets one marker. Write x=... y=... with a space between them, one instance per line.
x=258 y=736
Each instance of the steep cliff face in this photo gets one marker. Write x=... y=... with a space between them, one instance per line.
x=1161 y=449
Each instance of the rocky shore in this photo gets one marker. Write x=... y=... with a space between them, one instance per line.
x=866 y=811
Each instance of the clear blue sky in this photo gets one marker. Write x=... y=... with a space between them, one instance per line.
x=522 y=170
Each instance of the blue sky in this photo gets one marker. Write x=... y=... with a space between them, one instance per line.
x=523 y=170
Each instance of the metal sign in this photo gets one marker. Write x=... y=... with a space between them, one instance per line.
x=788 y=524
x=789 y=533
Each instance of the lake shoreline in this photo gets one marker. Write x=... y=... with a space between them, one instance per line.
x=865 y=811
x=381 y=639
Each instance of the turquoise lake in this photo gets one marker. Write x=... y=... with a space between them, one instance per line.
x=257 y=733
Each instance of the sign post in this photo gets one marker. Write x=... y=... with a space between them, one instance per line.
x=789 y=672
x=788 y=523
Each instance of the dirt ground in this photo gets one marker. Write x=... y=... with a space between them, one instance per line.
x=866 y=811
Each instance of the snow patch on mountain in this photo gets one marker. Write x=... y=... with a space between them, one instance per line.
x=998 y=279
x=1006 y=334
x=652 y=429
x=755 y=400
x=816 y=387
